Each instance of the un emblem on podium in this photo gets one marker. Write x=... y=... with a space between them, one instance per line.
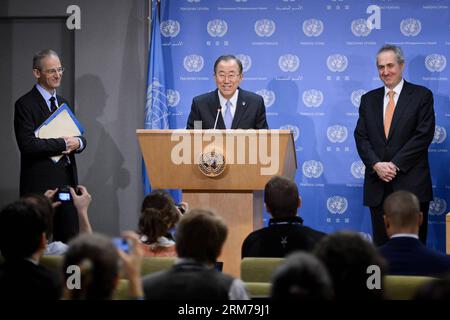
x=212 y=163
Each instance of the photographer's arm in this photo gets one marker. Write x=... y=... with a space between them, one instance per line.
x=81 y=203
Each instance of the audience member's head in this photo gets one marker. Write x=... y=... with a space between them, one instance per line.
x=22 y=231
x=281 y=197
x=44 y=206
x=200 y=236
x=302 y=277
x=402 y=213
x=155 y=223
x=161 y=200
x=98 y=260
x=347 y=257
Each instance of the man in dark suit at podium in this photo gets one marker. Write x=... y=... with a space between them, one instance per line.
x=404 y=252
x=239 y=109
x=38 y=172
x=393 y=133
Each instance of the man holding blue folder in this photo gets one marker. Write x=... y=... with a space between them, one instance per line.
x=38 y=172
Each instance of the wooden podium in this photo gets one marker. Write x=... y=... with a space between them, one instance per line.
x=252 y=157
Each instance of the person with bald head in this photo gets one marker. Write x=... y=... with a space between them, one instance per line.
x=404 y=252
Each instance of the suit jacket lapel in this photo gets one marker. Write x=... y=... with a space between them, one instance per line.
x=241 y=107
x=401 y=106
x=379 y=103
x=213 y=106
x=41 y=102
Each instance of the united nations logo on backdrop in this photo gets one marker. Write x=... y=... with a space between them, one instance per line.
x=337 y=204
x=312 y=27
x=265 y=27
x=289 y=62
x=312 y=98
x=356 y=97
x=173 y=97
x=193 y=1
x=295 y=130
x=217 y=28
x=246 y=61
x=410 y=27
x=360 y=28
x=435 y=62
x=337 y=63
x=170 y=28
x=312 y=169
x=268 y=96
x=440 y=134
x=337 y=133
x=358 y=169
x=193 y=63
x=438 y=206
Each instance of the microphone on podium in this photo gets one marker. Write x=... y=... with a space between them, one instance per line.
x=219 y=109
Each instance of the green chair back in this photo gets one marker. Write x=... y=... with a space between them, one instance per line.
x=53 y=263
x=155 y=264
x=258 y=289
x=403 y=287
x=259 y=269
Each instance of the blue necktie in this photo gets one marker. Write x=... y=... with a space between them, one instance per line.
x=228 y=117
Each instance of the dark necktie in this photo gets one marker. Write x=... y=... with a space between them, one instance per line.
x=52 y=104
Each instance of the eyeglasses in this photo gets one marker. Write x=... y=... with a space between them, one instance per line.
x=53 y=71
x=230 y=77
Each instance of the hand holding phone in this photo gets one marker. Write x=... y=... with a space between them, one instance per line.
x=122 y=244
x=63 y=194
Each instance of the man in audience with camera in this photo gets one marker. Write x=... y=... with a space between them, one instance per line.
x=46 y=204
